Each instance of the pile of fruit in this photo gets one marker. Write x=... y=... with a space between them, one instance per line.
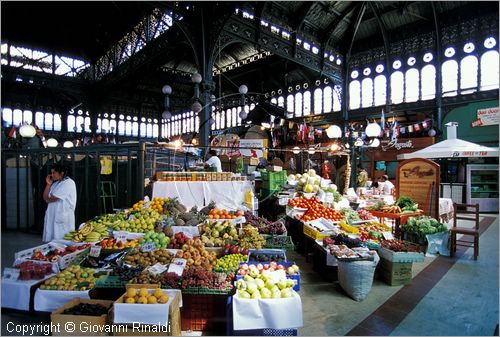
x=365 y=215
x=265 y=226
x=342 y=239
x=178 y=240
x=348 y=228
x=250 y=238
x=146 y=259
x=115 y=244
x=374 y=226
x=142 y=221
x=229 y=262
x=254 y=270
x=145 y=296
x=115 y=221
x=125 y=273
x=180 y=216
x=87 y=309
x=266 y=257
x=30 y=270
x=308 y=182
x=73 y=278
x=218 y=233
x=223 y=214
x=196 y=255
x=400 y=246
x=264 y=287
x=199 y=277
x=234 y=249
x=157 y=204
x=350 y=215
x=342 y=251
x=137 y=206
x=166 y=280
x=159 y=239
x=90 y=232
x=317 y=211
x=55 y=254
x=303 y=202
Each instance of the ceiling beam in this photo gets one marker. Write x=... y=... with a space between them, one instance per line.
x=389 y=10
x=354 y=29
x=328 y=32
x=301 y=14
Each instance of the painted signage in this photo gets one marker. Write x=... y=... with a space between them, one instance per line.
x=485 y=117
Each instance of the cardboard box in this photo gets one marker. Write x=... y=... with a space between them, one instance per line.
x=83 y=325
x=395 y=273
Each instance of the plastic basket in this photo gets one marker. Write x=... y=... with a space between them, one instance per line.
x=294 y=277
x=266 y=193
x=278 y=241
x=268 y=252
x=202 y=312
x=110 y=281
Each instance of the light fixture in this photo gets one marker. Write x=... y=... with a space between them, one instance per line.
x=311 y=150
x=262 y=128
x=196 y=107
x=243 y=89
x=68 y=144
x=196 y=78
x=373 y=130
x=52 y=142
x=334 y=147
x=213 y=98
x=166 y=90
x=296 y=150
x=194 y=141
x=358 y=142
x=265 y=125
x=375 y=142
x=432 y=133
x=334 y=131
x=243 y=114
x=166 y=115
x=177 y=144
x=27 y=131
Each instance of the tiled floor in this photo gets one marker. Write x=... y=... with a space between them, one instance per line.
x=447 y=296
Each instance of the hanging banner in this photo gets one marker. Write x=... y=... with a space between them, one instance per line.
x=419 y=179
x=252 y=148
x=486 y=117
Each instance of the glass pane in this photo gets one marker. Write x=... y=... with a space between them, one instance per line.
x=57 y=122
x=428 y=82
x=80 y=124
x=337 y=98
x=18 y=117
x=87 y=124
x=468 y=73
x=217 y=120
x=7 y=116
x=143 y=129
x=307 y=103
x=48 y=120
x=397 y=83
x=105 y=125
x=449 y=77
x=128 y=128
x=155 y=130
x=149 y=131
x=354 y=94
x=99 y=123
x=380 y=84
x=290 y=103
x=222 y=119
x=367 y=92
x=197 y=124
x=234 y=111
x=229 y=119
x=411 y=85
x=112 y=126
x=489 y=70
x=71 y=123
x=327 y=96
x=274 y=100
x=39 y=120
x=318 y=101
x=121 y=128
x=298 y=104
x=28 y=117
x=281 y=101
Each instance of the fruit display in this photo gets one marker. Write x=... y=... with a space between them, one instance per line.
x=87 y=309
x=180 y=216
x=159 y=239
x=400 y=246
x=166 y=280
x=350 y=215
x=157 y=204
x=328 y=241
x=250 y=238
x=145 y=296
x=114 y=244
x=113 y=220
x=229 y=262
x=141 y=221
x=125 y=273
x=377 y=207
x=30 y=270
x=365 y=215
x=223 y=214
x=308 y=182
x=265 y=226
x=218 y=233
x=342 y=239
x=178 y=240
x=348 y=228
x=262 y=286
x=374 y=226
x=145 y=259
x=303 y=202
x=259 y=269
x=54 y=255
x=89 y=232
x=342 y=251
x=200 y=277
x=196 y=255
x=72 y=278
x=423 y=225
x=317 y=211
x=234 y=249
x=137 y=206
x=257 y=256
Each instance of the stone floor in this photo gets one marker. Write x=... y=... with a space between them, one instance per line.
x=447 y=296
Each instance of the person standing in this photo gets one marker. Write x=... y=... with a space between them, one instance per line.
x=60 y=195
x=362 y=176
x=214 y=161
x=386 y=186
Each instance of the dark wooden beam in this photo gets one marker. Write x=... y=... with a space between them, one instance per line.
x=354 y=29
x=301 y=15
x=328 y=32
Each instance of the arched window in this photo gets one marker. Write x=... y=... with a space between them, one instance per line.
x=337 y=98
x=143 y=129
x=411 y=85
x=298 y=104
x=380 y=85
x=367 y=92
x=428 y=81
x=18 y=117
x=290 y=103
x=468 y=74
x=71 y=123
x=155 y=130
x=57 y=122
x=318 y=101
x=307 y=103
x=213 y=118
x=7 y=116
x=149 y=130
x=49 y=121
x=274 y=100
x=112 y=126
x=327 y=99
x=217 y=120
x=229 y=115
x=105 y=125
x=281 y=102
x=28 y=117
x=238 y=110
x=135 y=129
x=197 y=123
x=121 y=127
x=397 y=83
x=449 y=77
x=99 y=125
x=40 y=118
x=222 y=119
x=192 y=122
x=87 y=124
x=354 y=94
x=128 y=128
x=489 y=70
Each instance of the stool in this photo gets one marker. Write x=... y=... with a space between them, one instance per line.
x=107 y=190
x=464 y=209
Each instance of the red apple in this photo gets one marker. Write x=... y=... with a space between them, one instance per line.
x=280 y=267
x=260 y=267
x=244 y=266
x=244 y=251
x=242 y=272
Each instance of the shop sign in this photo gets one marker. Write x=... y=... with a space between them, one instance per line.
x=252 y=148
x=408 y=144
x=419 y=179
x=485 y=117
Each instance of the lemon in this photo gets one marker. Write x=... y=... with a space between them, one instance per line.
x=158 y=293
x=130 y=300
x=131 y=292
x=152 y=300
x=142 y=300
x=143 y=292
x=163 y=298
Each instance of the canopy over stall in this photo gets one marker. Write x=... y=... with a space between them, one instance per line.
x=452 y=148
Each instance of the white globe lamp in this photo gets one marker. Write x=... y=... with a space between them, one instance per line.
x=27 y=131
x=243 y=89
x=334 y=131
x=296 y=150
x=68 y=144
x=373 y=130
x=166 y=90
x=52 y=142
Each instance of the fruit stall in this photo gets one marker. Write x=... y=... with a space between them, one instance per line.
x=214 y=269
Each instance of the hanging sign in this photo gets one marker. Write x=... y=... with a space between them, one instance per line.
x=486 y=117
x=419 y=179
x=252 y=148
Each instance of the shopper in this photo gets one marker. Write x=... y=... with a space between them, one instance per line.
x=362 y=176
x=213 y=160
x=60 y=195
x=386 y=186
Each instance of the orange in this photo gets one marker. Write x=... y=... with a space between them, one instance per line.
x=216 y=216
x=210 y=216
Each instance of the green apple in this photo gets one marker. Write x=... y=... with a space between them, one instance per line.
x=276 y=294
x=265 y=293
x=282 y=284
x=269 y=284
x=241 y=285
x=243 y=294
x=256 y=295
x=248 y=278
x=252 y=288
x=286 y=293
x=260 y=283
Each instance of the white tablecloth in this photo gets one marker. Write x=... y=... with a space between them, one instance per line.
x=16 y=293
x=226 y=194
x=445 y=209
x=330 y=259
x=50 y=300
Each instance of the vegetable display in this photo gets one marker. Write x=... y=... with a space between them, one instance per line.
x=319 y=211
x=423 y=225
x=400 y=246
x=350 y=215
x=365 y=215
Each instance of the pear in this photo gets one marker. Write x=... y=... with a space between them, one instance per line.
x=243 y=294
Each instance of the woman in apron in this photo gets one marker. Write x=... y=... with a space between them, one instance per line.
x=60 y=195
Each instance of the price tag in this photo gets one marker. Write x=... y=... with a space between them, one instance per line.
x=177 y=266
x=388 y=235
x=329 y=198
x=121 y=236
x=148 y=247
x=95 y=251
x=11 y=274
x=157 y=269
x=130 y=217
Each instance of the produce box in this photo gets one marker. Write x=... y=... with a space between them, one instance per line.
x=68 y=259
x=83 y=325
x=278 y=241
x=400 y=257
x=203 y=312
x=294 y=277
x=267 y=253
x=315 y=234
x=395 y=273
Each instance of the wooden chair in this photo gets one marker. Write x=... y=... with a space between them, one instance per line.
x=458 y=210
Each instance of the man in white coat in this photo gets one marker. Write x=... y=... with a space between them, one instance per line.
x=214 y=161
x=60 y=195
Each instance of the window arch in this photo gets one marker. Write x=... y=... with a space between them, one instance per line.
x=222 y=119
x=235 y=116
x=318 y=101
x=411 y=85
x=274 y=101
x=197 y=123
x=367 y=92
x=428 y=82
x=135 y=129
x=327 y=99
x=213 y=118
x=121 y=127
x=18 y=117
x=105 y=125
x=449 y=76
x=307 y=103
x=298 y=104
x=57 y=122
x=380 y=90
x=143 y=130
x=229 y=119
x=468 y=74
x=337 y=92
x=397 y=83
x=128 y=128
x=112 y=126
x=155 y=130
x=290 y=103
x=39 y=120
x=28 y=117
x=354 y=94
x=489 y=70
x=281 y=102
x=149 y=130
x=71 y=123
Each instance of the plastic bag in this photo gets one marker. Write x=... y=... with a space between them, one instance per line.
x=438 y=244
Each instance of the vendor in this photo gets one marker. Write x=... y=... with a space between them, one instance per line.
x=362 y=176
x=213 y=160
x=385 y=185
